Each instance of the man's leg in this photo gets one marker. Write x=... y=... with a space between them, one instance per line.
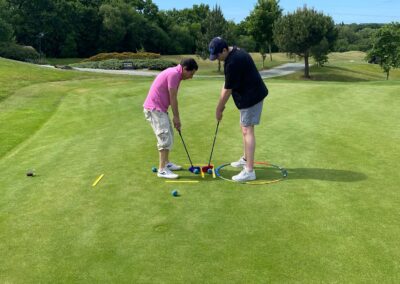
x=244 y=144
x=249 y=140
x=163 y=158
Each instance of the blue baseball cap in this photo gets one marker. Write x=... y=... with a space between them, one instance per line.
x=216 y=46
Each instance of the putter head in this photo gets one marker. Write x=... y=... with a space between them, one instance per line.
x=193 y=168
x=205 y=168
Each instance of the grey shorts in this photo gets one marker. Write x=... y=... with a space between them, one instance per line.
x=252 y=115
x=162 y=128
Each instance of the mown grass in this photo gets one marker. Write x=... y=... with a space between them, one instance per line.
x=332 y=220
x=14 y=76
x=346 y=67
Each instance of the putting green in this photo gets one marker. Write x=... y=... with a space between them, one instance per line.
x=334 y=219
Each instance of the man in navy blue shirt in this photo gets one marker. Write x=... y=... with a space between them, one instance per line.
x=244 y=83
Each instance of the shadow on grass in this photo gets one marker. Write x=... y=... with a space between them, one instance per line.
x=302 y=173
x=340 y=74
x=326 y=174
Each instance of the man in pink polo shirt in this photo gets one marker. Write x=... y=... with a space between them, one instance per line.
x=163 y=93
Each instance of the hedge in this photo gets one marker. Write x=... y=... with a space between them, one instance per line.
x=18 y=52
x=123 y=56
x=115 y=64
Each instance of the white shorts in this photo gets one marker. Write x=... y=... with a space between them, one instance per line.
x=162 y=128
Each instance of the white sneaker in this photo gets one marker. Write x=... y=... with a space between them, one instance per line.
x=245 y=175
x=173 y=167
x=239 y=164
x=166 y=173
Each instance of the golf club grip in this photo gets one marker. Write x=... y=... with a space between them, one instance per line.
x=184 y=145
x=212 y=148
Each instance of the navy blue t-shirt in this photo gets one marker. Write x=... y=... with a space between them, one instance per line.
x=242 y=76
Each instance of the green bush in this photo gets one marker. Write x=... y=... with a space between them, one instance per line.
x=93 y=65
x=18 y=52
x=115 y=64
x=111 y=64
x=123 y=56
x=160 y=64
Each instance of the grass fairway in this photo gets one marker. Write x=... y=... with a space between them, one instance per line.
x=334 y=219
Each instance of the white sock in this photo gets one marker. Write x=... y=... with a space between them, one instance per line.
x=247 y=170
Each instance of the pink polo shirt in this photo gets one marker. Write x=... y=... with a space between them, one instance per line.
x=158 y=96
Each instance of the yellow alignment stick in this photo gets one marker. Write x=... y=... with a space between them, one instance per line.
x=181 y=181
x=263 y=182
x=97 y=180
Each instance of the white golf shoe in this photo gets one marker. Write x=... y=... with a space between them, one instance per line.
x=166 y=173
x=245 y=175
x=173 y=167
x=239 y=164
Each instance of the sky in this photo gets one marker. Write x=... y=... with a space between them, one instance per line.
x=350 y=11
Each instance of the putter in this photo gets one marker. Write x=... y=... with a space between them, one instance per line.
x=209 y=166
x=192 y=168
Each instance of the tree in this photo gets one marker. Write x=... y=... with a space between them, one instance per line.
x=386 y=47
x=87 y=29
x=355 y=36
x=156 y=39
x=300 y=32
x=124 y=28
x=246 y=42
x=56 y=20
x=114 y=26
x=6 y=29
x=182 y=41
x=184 y=27
x=320 y=52
x=214 y=25
x=261 y=23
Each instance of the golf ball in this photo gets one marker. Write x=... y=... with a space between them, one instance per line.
x=154 y=169
x=174 y=193
x=196 y=171
x=209 y=171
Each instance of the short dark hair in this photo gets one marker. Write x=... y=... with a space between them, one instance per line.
x=189 y=63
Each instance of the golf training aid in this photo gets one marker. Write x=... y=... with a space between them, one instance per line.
x=209 y=166
x=192 y=168
x=181 y=181
x=280 y=175
x=97 y=180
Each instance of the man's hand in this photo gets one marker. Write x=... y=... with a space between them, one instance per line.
x=177 y=123
x=218 y=113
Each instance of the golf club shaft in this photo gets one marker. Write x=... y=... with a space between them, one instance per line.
x=184 y=145
x=212 y=148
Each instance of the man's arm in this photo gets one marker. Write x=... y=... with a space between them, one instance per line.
x=173 y=97
x=223 y=98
